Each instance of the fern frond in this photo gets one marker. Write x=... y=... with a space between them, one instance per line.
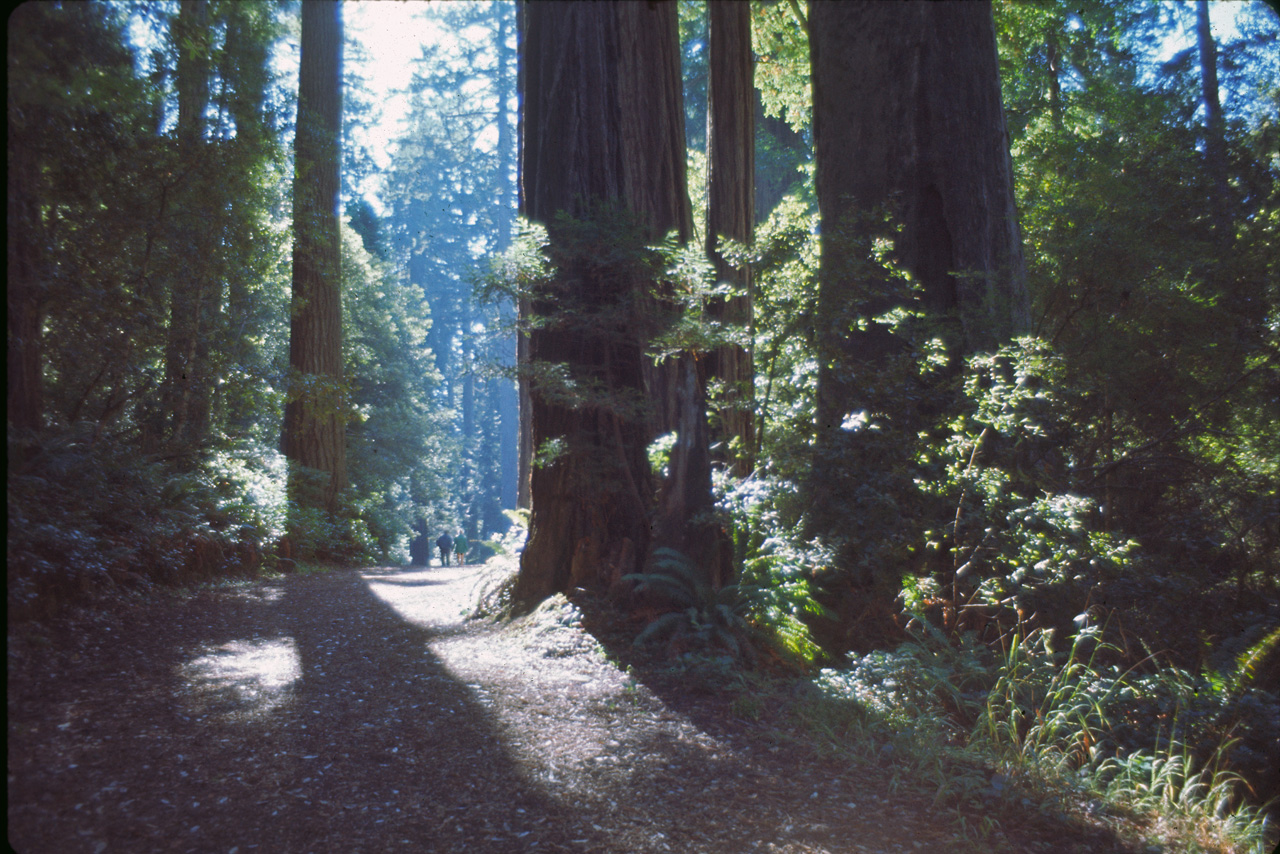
x=1250 y=662
x=675 y=590
x=661 y=627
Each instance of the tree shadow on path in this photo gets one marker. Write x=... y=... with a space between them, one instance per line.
x=304 y=717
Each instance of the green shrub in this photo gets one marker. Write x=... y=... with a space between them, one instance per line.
x=87 y=516
x=701 y=617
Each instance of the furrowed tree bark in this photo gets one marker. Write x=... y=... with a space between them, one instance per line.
x=315 y=415
x=907 y=122
x=24 y=398
x=601 y=131
x=731 y=97
x=187 y=387
x=1215 y=145
x=25 y=291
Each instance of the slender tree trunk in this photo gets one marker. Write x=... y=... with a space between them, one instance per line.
x=510 y=471
x=186 y=384
x=315 y=416
x=1215 y=147
x=731 y=98
x=468 y=494
x=1055 y=80
x=247 y=54
x=25 y=310
x=602 y=127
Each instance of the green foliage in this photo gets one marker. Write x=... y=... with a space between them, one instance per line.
x=704 y=618
x=1147 y=281
x=1062 y=729
x=401 y=451
x=158 y=266
x=784 y=260
x=1002 y=476
x=779 y=34
x=693 y=70
x=774 y=573
x=511 y=542
x=87 y=516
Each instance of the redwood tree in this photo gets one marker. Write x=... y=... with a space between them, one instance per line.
x=315 y=416
x=730 y=211
x=908 y=129
x=193 y=294
x=603 y=144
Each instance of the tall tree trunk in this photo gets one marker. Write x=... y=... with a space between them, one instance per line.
x=315 y=416
x=248 y=58
x=731 y=98
x=186 y=384
x=907 y=121
x=1055 y=67
x=602 y=126
x=468 y=494
x=24 y=303
x=907 y=108
x=1215 y=144
x=508 y=396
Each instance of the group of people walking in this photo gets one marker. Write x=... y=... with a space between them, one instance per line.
x=453 y=545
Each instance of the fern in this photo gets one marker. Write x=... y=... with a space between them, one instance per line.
x=1252 y=661
x=701 y=615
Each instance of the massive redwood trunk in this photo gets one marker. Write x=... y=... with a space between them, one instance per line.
x=908 y=123
x=730 y=214
x=908 y=118
x=315 y=416
x=603 y=142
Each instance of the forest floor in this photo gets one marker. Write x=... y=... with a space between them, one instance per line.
x=361 y=711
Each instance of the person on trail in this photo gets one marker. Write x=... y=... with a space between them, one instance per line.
x=445 y=544
x=460 y=546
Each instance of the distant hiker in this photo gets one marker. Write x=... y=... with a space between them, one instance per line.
x=445 y=544
x=460 y=546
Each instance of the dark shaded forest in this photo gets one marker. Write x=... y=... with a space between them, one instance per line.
x=927 y=352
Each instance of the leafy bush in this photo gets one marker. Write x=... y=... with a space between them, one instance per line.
x=1015 y=542
x=1069 y=727
x=774 y=574
x=87 y=515
x=701 y=616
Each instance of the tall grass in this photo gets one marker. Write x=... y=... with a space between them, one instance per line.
x=972 y=722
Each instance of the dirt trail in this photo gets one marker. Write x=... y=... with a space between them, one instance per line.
x=358 y=711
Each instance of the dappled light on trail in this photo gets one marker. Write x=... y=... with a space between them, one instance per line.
x=401 y=590
x=241 y=679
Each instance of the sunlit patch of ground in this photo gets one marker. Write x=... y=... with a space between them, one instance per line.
x=407 y=591
x=243 y=678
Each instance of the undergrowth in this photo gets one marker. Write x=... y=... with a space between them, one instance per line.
x=1003 y=732
x=88 y=517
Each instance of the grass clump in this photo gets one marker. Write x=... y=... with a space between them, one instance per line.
x=1002 y=732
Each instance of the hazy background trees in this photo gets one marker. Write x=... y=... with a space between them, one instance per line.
x=451 y=205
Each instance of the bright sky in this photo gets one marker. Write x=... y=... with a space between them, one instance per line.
x=393 y=33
